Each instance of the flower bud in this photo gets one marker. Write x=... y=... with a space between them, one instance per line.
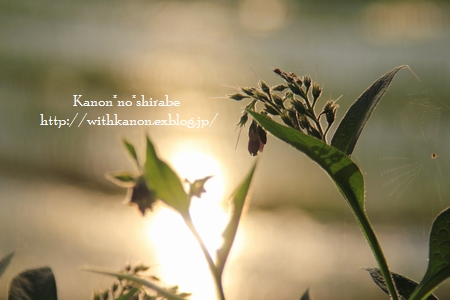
x=278 y=101
x=282 y=74
x=248 y=91
x=316 y=91
x=237 y=96
x=142 y=196
x=260 y=96
x=271 y=110
x=307 y=82
x=287 y=121
x=264 y=87
x=243 y=120
x=299 y=106
x=279 y=88
x=262 y=137
x=296 y=79
x=330 y=111
x=253 y=139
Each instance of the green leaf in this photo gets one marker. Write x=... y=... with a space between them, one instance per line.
x=439 y=257
x=305 y=295
x=161 y=179
x=343 y=171
x=139 y=281
x=351 y=126
x=131 y=151
x=4 y=263
x=35 y=284
x=405 y=286
x=237 y=201
x=128 y=295
x=123 y=179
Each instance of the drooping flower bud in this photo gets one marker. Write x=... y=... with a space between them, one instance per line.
x=253 y=139
x=142 y=196
x=257 y=138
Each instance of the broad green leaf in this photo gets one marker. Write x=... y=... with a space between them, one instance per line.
x=346 y=176
x=4 y=263
x=405 y=286
x=342 y=170
x=131 y=151
x=161 y=179
x=305 y=295
x=128 y=295
x=351 y=126
x=139 y=281
x=35 y=284
x=439 y=257
x=123 y=179
x=237 y=202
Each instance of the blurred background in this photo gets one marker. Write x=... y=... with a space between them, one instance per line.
x=58 y=209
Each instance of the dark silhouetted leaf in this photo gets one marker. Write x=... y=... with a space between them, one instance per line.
x=237 y=202
x=305 y=295
x=343 y=171
x=351 y=126
x=138 y=280
x=4 y=263
x=439 y=257
x=35 y=284
x=405 y=286
x=164 y=181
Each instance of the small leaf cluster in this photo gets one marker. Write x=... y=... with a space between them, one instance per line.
x=156 y=180
x=124 y=288
x=294 y=101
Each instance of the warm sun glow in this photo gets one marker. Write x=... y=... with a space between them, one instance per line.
x=180 y=258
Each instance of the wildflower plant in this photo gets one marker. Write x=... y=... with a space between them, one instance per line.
x=155 y=181
x=305 y=128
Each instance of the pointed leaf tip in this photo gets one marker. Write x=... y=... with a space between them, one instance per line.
x=237 y=206
x=354 y=121
x=131 y=150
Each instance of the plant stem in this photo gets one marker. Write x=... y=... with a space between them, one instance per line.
x=212 y=267
x=377 y=252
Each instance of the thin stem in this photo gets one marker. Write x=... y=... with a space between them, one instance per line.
x=377 y=252
x=212 y=267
